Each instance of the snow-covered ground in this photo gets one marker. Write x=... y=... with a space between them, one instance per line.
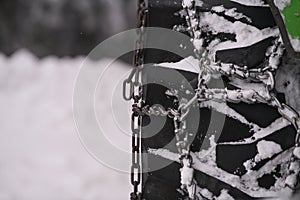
x=41 y=156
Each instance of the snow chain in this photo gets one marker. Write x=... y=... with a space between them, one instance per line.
x=265 y=75
x=208 y=68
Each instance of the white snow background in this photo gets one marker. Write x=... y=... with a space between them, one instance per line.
x=41 y=156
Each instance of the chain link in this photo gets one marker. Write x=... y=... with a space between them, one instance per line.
x=135 y=167
x=264 y=75
x=292 y=116
x=188 y=184
x=132 y=90
x=234 y=96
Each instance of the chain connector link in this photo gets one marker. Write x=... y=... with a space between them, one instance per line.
x=127 y=90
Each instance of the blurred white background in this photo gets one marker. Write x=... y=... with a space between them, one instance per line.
x=41 y=156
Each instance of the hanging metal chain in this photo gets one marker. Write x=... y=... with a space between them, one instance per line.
x=136 y=166
x=188 y=184
x=132 y=89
